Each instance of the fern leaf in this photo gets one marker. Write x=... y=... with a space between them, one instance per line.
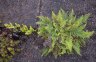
x=69 y=44
x=76 y=47
x=45 y=51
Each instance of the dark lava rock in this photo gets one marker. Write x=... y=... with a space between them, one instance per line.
x=25 y=11
x=15 y=36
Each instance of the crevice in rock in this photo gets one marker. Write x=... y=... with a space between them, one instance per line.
x=40 y=6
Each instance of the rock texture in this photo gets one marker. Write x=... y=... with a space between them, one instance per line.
x=21 y=11
x=25 y=11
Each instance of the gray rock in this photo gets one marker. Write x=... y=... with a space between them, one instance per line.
x=25 y=11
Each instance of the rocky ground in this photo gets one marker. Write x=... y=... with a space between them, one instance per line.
x=25 y=11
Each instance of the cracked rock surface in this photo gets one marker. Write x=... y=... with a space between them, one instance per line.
x=25 y=11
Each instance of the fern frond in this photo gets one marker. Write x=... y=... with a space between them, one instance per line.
x=66 y=32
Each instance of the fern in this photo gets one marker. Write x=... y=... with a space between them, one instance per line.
x=10 y=26
x=66 y=32
x=8 y=47
x=23 y=28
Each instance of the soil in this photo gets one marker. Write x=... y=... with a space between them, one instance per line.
x=25 y=11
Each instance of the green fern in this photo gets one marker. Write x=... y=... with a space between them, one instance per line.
x=8 y=48
x=66 y=32
x=10 y=26
x=23 y=28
